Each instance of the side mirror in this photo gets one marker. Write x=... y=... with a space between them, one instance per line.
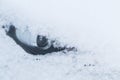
x=42 y=41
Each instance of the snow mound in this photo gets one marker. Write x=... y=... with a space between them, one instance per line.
x=92 y=28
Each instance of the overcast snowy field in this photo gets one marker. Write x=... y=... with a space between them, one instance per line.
x=92 y=26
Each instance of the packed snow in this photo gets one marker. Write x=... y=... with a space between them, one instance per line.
x=89 y=25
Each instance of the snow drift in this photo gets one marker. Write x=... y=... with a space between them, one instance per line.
x=91 y=26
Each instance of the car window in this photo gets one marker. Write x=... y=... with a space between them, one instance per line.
x=43 y=44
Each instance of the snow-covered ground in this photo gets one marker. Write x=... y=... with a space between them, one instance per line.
x=89 y=25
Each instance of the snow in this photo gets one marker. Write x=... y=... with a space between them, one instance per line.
x=89 y=25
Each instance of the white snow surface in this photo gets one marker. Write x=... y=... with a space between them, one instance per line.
x=92 y=26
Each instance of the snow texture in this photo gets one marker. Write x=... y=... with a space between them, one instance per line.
x=91 y=26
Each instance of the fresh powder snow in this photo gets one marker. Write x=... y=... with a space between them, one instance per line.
x=91 y=26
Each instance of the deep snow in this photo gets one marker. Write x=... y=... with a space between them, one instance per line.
x=91 y=26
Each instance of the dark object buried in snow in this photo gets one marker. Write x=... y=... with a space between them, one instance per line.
x=42 y=41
